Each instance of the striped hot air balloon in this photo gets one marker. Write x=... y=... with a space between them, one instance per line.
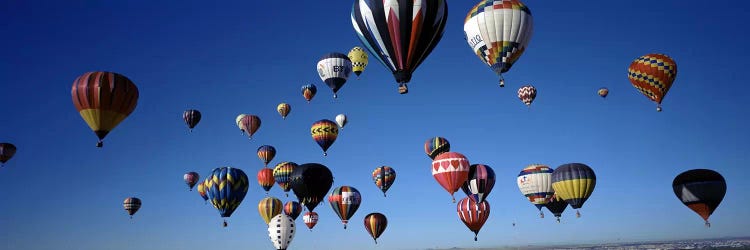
x=266 y=154
x=104 y=99
x=266 y=179
x=334 y=69
x=282 y=174
x=498 y=32
x=535 y=182
x=375 y=224
x=480 y=182
x=249 y=124
x=131 y=204
x=435 y=146
x=701 y=190
x=310 y=219
x=191 y=118
x=450 y=170
x=345 y=201
x=293 y=209
x=324 y=132
x=527 y=94
x=269 y=207
x=473 y=214
x=574 y=183
x=384 y=176
x=653 y=75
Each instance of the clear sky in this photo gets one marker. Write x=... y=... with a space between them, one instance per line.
x=61 y=192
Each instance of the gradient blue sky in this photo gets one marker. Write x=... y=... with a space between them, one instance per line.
x=61 y=192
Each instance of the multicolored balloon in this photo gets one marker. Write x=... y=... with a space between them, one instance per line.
x=249 y=124
x=293 y=209
x=400 y=33
x=450 y=170
x=191 y=118
x=701 y=190
x=499 y=31
x=309 y=91
x=131 y=205
x=383 y=176
x=480 y=182
x=269 y=207
x=359 y=59
x=324 y=132
x=603 y=92
x=282 y=174
x=473 y=214
x=341 y=120
x=574 y=183
x=535 y=182
x=653 y=75
x=266 y=179
x=310 y=183
x=202 y=191
x=281 y=231
x=375 y=224
x=345 y=201
x=7 y=151
x=435 y=146
x=226 y=188
x=334 y=69
x=266 y=154
x=191 y=178
x=527 y=94
x=104 y=99
x=556 y=206
x=283 y=109
x=310 y=219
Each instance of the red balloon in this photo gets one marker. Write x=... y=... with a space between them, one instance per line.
x=450 y=170
x=473 y=214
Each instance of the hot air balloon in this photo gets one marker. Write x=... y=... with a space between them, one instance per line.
x=435 y=146
x=310 y=219
x=499 y=31
x=310 y=183
x=535 y=182
x=202 y=191
x=283 y=109
x=226 y=188
x=282 y=175
x=603 y=92
x=375 y=224
x=7 y=150
x=473 y=214
x=324 y=132
x=383 y=176
x=238 y=121
x=269 y=207
x=265 y=179
x=400 y=33
x=334 y=68
x=191 y=178
x=266 y=154
x=480 y=182
x=293 y=209
x=527 y=94
x=653 y=75
x=556 y=206
x=191 y=118
x=249 y=124
x=308 y=91
x=574 y=183
x=358 y=56
x=450 y=170
x=131 y=205
x=341 y=120
x=701 y=190
x=345 y=201
x=104 y=99
x=281 y=231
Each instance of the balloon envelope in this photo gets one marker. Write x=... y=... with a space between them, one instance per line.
x=653 y=75
x=226 y=188
x=480 y=182
x=104 y=99
x=191 y=118
x=384 y=177
x=310 y=183
x=131 y=204
x=375 y=224
x=450 y=170
x=7 y=151
x=701 y=190
x=574 y=183
x=435 y=146
x=281 y=231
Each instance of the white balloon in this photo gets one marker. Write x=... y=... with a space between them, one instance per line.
x=341 y=120
x=281 y=230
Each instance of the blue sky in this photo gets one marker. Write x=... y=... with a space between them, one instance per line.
x=236 y=57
